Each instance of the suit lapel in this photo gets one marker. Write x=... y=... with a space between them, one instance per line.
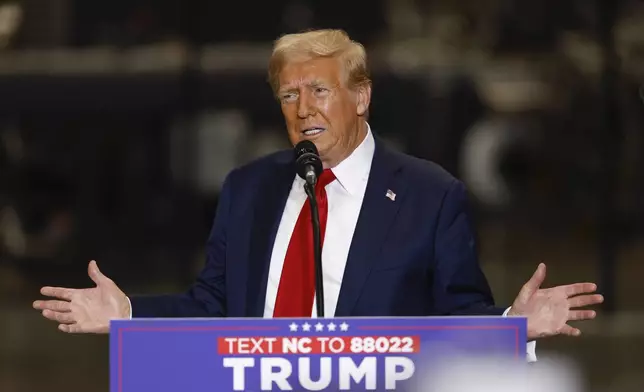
x=271 y=199
x=376 y=217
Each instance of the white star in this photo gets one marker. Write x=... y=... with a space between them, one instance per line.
x=293 y=327
x=331 y=327
x=344 y=327
x=306 y=327
x=319 y=327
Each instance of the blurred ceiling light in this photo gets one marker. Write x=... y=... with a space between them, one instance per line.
x=483 y=146
x=487 y=147
x=514 y=86
x=10 y=20
x=583 y=51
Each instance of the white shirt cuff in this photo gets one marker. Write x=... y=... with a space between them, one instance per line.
x=129 y=302
x=532 y=346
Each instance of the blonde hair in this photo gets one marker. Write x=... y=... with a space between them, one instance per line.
x=320 y=43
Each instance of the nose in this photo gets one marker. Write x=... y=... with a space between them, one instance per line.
x=305 y=107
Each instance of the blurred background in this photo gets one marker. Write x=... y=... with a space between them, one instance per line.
x=119 y=120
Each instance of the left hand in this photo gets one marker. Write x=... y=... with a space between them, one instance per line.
x=85 y=310
x=549 y=310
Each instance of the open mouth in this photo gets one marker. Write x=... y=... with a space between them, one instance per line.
x=313 y=131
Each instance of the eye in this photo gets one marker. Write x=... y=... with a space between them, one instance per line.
x=288 y=97
x=321 y=91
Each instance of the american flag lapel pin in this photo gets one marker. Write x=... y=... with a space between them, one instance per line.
x=391 y=195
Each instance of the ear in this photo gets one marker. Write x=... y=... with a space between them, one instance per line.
x=364 y=99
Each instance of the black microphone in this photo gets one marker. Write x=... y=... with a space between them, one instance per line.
x=308 y=162
x=309 y=167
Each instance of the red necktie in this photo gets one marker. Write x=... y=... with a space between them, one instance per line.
x=297 y=284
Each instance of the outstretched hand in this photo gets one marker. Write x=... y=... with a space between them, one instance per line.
x=549 y=310
x=85 y=310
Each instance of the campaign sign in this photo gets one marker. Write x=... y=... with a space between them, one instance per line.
x=344 y=354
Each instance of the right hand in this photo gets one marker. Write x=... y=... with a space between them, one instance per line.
x=85 y=310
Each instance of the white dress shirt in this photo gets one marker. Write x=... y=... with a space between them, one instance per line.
x=344 y=197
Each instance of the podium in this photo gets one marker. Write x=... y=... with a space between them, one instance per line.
x=330 y=354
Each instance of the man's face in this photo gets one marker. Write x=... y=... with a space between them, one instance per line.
x=319 y=106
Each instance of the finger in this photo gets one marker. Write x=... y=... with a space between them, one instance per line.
x=580 y=288
x=95 y=274
x=77 y=328
x=70 y=328
x=536 y=280
x=66 y=318
x=58 y=306
x=585 y=300
x=575 y=315
x=570 y=331
x=58 y=292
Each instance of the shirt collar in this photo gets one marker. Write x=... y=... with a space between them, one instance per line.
x=353 y=171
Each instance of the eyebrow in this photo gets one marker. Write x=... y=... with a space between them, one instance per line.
x=312 y=83
x=316 y=83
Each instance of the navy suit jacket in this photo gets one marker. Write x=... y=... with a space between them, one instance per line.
x=413 y=256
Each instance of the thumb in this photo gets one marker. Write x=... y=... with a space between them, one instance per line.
x=94 y=273
x=536 y=280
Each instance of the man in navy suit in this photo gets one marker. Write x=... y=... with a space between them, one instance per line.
x=397 y=238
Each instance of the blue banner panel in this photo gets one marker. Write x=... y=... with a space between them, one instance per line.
x=351 y=354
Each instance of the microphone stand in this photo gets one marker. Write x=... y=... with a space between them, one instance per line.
x=317 y=249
